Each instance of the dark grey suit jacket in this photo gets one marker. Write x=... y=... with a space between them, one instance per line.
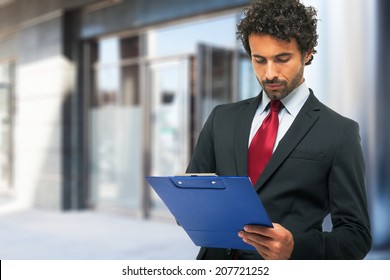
x=317 y=169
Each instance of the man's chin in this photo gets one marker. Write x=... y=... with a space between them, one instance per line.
x=275 y=94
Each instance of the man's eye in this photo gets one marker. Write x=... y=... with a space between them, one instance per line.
x=282 y=60
x=261 y=61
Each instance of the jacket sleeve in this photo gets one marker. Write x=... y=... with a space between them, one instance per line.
x=350 y=237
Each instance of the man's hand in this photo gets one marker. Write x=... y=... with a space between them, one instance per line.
x=275 y=243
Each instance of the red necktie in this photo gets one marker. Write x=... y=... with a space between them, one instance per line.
x=262 y=145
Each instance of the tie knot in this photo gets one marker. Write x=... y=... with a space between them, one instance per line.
x=275 y=105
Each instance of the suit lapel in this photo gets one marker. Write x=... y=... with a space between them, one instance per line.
x=302 y=124
x=241 y=138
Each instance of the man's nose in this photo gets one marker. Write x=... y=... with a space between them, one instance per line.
x=271 y=72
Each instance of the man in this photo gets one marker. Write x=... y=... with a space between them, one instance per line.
x=316 y=167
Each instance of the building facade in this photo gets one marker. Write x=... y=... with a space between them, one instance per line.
x=97 y=94
x=101 y=93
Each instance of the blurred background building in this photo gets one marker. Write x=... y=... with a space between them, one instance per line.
x=95 y=95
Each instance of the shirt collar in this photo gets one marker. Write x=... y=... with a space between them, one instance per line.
x=292 y=102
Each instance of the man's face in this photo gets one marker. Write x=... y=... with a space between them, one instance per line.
x=278 y=65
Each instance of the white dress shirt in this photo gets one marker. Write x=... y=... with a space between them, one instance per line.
x=292 y=104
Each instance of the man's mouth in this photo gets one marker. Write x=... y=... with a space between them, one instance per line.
x=273 y=86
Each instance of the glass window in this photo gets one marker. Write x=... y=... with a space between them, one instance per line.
x=248 y=84
x=116 y=124
x=107 y=86
x=184 y=38
x=116 y=84
x=109 y=51
x=190 y=68
x=129 y=47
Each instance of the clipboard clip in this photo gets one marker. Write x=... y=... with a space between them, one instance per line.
x=201 y=182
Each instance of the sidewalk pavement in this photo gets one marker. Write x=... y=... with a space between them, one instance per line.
x=90 y=235
x=97 y=235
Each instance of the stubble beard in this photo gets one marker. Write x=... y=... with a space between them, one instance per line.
x=287 y=87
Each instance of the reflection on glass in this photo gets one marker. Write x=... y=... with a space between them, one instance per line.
x=129 y=47
x=108 y=86
x=116 y=127
x=184 y=38
x=249 y=86
x=130 y=86
x=108 y=51
x=215 y=81
x=170 y=117
x=189 y=69
x=170 y=124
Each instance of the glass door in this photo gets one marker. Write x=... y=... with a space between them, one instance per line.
x=170 y=130
x=224 y=75
x=215 y=79
x=116 y=126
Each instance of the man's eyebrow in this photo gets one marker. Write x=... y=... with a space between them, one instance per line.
x=257 y=55
x=277 y=55
x=283 y=54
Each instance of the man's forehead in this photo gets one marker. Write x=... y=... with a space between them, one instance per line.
x=267 y=44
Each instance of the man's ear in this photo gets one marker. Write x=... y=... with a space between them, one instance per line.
x=309 y=56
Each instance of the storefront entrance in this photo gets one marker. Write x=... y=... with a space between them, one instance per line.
x=152 y=93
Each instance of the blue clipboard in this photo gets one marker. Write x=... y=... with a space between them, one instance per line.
x=211 y=209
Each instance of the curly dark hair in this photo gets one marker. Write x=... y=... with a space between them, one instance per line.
x=282 y=19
